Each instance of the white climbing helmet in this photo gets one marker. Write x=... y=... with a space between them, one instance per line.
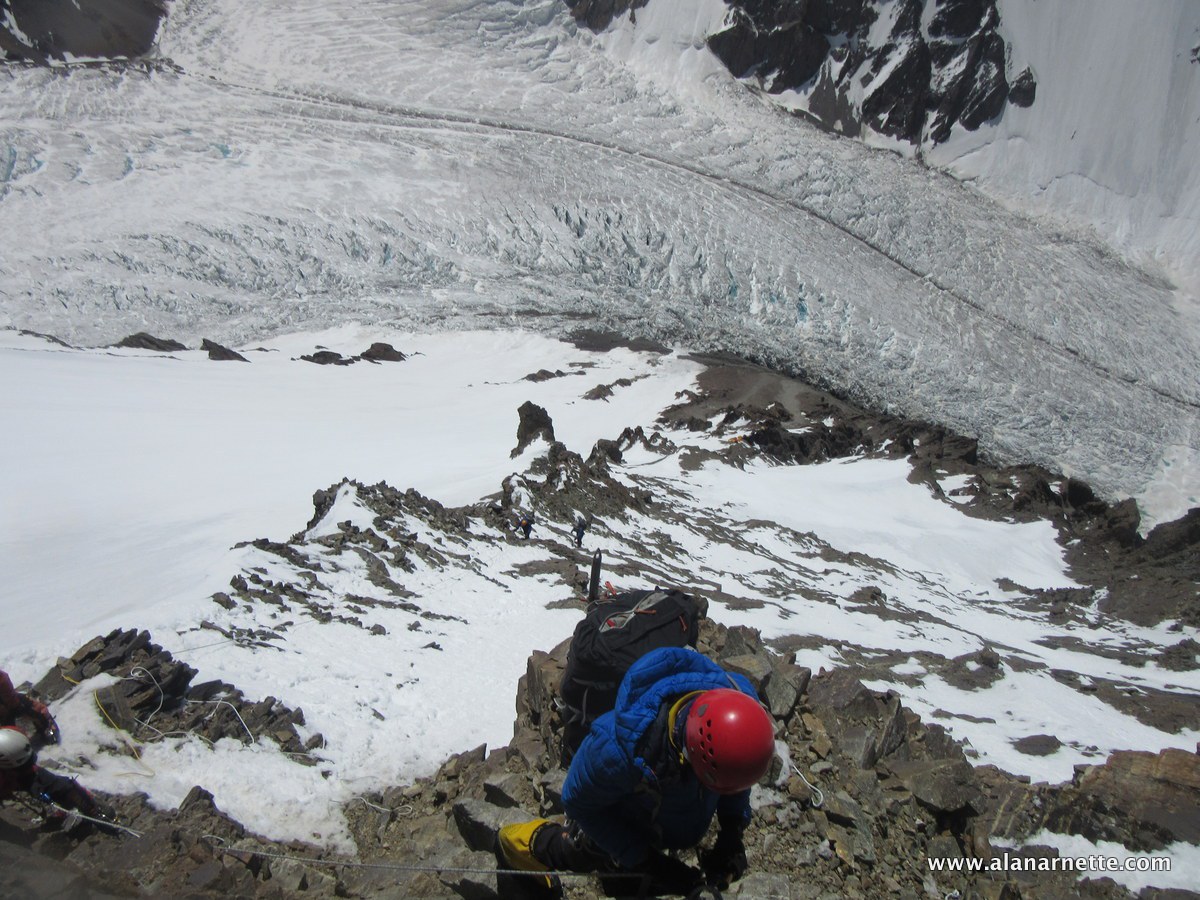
x=15 y=749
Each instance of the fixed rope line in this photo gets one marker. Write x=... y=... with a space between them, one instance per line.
x=818 y=796
x=395 y=867
x=105 y=822
x=404 y=811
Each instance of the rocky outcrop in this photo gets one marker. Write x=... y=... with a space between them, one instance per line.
x=534 y=423
x=865 y=64
x=220 y=354
x=154 y=695
x=48 y=31
x=327 y=358
x=1145 y=579
x=381 y=352
x=599 y=14
x=144 y=341
x=377 y=353
x=1144 y=801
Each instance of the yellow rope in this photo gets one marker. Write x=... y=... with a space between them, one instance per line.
x=671 y=716
x=132 y=748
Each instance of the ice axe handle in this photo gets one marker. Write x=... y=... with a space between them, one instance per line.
x=594 y=581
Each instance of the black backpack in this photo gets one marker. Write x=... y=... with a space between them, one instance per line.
x=614 y=634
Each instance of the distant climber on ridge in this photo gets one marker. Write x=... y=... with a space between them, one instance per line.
x=525 y=524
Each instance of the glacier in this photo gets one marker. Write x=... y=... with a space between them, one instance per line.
x=296 y=165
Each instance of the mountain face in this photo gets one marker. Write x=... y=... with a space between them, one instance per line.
x=42 y=31
x=599 y=14
x=907 y=70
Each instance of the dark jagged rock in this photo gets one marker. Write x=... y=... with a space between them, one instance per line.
x=975 y=91
x=596 y=341
x=221 y=354
x=912 y=84
x=1038 y=745
x=958 y=19
x=544 y=375
x=794 y=52
x=1023 y=90
x=599 y=14
x=534 y=423
x=43 y=30
x=1181 y=657
x=380 y=352
x=328 y=358
x=46 y=337
x=144 y=341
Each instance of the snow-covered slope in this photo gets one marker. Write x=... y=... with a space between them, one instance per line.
x=152 y=485
x=1110 y=142
x=1086 y=113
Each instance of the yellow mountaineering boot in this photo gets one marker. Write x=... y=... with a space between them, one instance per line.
x=515 y=846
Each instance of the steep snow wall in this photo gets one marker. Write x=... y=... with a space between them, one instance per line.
x=1113 y=137
x=1100 y=132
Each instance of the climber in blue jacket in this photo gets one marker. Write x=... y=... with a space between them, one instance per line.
x=685 y=741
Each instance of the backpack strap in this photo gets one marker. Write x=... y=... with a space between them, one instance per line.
x=645 y=606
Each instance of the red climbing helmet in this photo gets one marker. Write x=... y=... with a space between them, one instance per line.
x=730 y=740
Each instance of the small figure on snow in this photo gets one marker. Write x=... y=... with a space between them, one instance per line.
x=580 y=527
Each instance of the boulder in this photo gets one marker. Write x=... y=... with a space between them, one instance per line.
x=942 y=785
x=479 y=822
x=380 y=352
x=221 y=354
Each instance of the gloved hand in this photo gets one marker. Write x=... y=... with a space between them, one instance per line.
x=669 y=875
x=49 y=730
x=726 y=861
x=40 y=714
x=106 y=820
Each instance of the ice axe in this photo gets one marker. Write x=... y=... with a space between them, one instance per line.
x=594 y=581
